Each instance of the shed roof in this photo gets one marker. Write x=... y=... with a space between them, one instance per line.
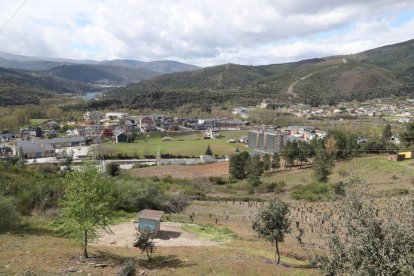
x=150 y=214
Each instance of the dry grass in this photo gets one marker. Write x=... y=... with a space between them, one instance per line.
x=45 y=255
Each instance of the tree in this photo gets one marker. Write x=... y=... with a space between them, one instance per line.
x=272 y=223
x=275 y=161
x=112 y=169
x=87 y=205
x=145 y=242
x=290 y=153
x=371 y=238
x=407 y=137
x=208 y=150
x=386 y=133
x=66 y=161
x=324 y=163
x=238 y=164
x=266 y=162
x=254 y=171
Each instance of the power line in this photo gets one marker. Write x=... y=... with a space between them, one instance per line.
x=13 y=15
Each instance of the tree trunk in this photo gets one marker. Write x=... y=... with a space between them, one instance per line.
x=277 y=253
x=85 y=243
x=148 y=255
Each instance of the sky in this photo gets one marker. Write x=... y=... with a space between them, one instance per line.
x=203 y=32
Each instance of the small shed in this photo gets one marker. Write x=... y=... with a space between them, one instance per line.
x=121 y=138
x=149 y=220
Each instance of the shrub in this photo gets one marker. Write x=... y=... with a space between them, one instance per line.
x=276 y=187
x=400 y=191
x=339 y=188
x=8 y=215
x=112 y=169
x=128 y=269
x=135 y=195
x=217 y=180
x=178 y=203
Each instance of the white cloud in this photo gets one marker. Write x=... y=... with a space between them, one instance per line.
x=202 y=32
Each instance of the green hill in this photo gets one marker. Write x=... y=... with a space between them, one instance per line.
x=380 y=72
x=102 y=74
x=23 y=87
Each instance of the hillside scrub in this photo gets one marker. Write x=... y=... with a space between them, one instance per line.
x=368 y=238
x=9 y=218
x=312 y=192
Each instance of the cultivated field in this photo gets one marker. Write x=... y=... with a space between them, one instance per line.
x=182 y=171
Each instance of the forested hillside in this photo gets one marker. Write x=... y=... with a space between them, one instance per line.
x=383 y=72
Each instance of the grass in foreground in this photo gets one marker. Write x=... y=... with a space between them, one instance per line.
x=211 y=232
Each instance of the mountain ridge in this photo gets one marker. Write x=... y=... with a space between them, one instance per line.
x=380 y=72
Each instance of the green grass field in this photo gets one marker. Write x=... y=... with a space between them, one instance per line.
x=38 y=122
x=378 y=172
x=185 y=144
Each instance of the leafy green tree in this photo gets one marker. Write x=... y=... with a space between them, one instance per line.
x=386 y=133
x=364 y=242
x=346 y=143
x=238 y=164
x=87 y=205
x=254 y=171
x=272 y=223
x=324 y=162
x=208 y=150
x=407 y=137
x=112 y=169
x=266 y=162
x=290 y=153
x=275 y=161
x=145 y=242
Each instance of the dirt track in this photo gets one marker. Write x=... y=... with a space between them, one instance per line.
x=170 y=235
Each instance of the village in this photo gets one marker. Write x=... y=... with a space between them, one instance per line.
x=53 y=140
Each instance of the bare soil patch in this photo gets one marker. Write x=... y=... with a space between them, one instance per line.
x=183 y=171
x=171 y=235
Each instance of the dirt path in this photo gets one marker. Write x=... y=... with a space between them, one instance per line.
x=290 y=88
x=170 y=235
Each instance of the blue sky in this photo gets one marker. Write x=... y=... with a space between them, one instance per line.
x=203 y=33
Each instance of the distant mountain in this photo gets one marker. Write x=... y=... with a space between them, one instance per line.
x=161 y=66
x=380 y=72
x=41 y=63
x=102 y=74
x=22 y=87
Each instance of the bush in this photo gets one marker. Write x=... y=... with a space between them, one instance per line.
x=400 y=191
x=217 y=180
x=112 y=169
x=135 y=195
x=339 y=188
x=178 y=203
x=276 y=187
x=312 y=192
x=128 y=269
x=8 y=215
x=31 y=189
